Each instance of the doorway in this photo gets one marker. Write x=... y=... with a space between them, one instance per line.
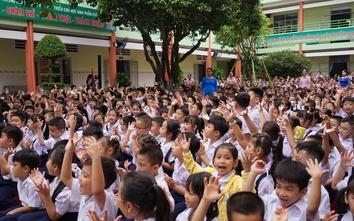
x=201 y=71
x=337 y=64
x=123 y=66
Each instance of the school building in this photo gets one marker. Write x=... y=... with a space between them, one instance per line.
x=321 y=30
x=91 y=46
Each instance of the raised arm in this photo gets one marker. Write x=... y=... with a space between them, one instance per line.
x=98 y=183
x=346 y=161
x=315 y=192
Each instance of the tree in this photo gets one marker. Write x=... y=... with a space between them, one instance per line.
x=240 y=37
x=173 y=20
x=123 y=79
x=284 y=63
x=51 y=47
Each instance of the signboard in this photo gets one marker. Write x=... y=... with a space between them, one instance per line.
x=79 y=16
x=326 y=35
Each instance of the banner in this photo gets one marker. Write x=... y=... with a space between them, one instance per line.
x=79 y=16
x=314 y=36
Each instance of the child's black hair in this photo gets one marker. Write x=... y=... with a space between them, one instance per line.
x=337 y=118
x=306 y=115
x=140 y=188
x=263 y=141
x=146 y=139
x=272 y=129
x=27 y=157
x=158 y=120
x=245 y=203
x=153 y=153
x=312 y=149
x=93 y=131
x=243 y=99
x=195 y=184
x=349 y=119
x=128 y=120
x=95 y=123
x=21 y=114
x=220 y=124
x=109 y=170
x=79 y=121
x=56 y=154
x=145 y=119
x=294 y=121
x=258 y=92
x=341 y=207
x=13 y=133
x=184 y=109
x=172 y=127
x=57 y=122
x=103 y=109
x=194 y=120
x=292 y=172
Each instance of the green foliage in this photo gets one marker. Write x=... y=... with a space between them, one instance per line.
x=54 y=66
x=50 y=46
x=52 y=84
x=123 y=79
x=284 y=63
x=52 y=75
x=180 y=75
x=219 y=73
x=241 y=35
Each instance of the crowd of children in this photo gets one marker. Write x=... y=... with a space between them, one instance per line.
x=242 y=153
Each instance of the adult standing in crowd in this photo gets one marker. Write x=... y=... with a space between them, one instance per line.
x=305 y=80
x=209 y=83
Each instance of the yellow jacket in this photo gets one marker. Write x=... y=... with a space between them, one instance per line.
x=234 y=185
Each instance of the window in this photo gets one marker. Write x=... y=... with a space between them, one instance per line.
x=285 y=23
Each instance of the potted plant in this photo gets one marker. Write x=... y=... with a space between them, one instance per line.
x=51 y=47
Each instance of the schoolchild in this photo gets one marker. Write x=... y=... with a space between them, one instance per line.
x=140 y=198
x=291 y=189
x=225 y=161
x=55 y=195
x=169 y=130
x=23 y=162
x=149 y=159
x=193 y=195
x=215 y=129
x=177 y=182
x=113 y=122
x=11 y=137
x=98 y=173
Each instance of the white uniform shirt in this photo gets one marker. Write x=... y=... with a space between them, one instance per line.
x=107 y=129
x=296 y=212
x=324 y=205
x=210 y=151
x=254 y=115
x=87 y=204
x=180 y=173
x=51 y=141
x=27 y=191
x=184 y=216
x=62 y=201
x=160 y=180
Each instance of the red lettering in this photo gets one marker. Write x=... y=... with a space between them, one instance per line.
x=30 y=13
x=96 y=23
x=65 y=18
x=82 y=21
x=14 y=11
